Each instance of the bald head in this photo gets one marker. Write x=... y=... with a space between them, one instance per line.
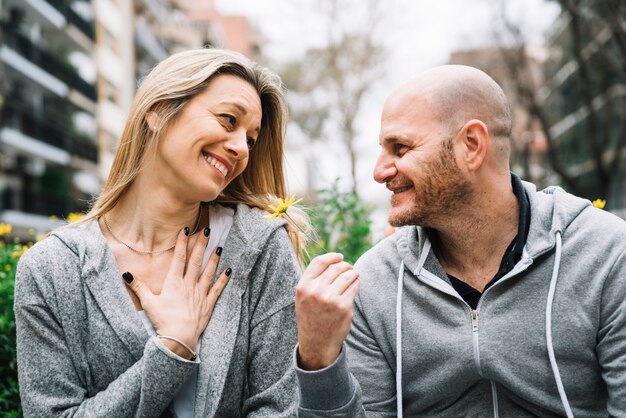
x=455 y=94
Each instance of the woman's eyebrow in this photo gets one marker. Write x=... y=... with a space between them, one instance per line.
x=241 y=109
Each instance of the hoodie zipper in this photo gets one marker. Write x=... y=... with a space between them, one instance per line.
x=494 y=392
x=474 y=316
x=435 y=282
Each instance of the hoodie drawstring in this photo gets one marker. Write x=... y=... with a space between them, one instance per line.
x=555 y=367
x=399 y=340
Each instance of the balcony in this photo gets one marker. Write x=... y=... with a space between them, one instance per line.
x=86 y=27
x=47 y=130
x=84 y=148
x=47 y=61
x=19 y=205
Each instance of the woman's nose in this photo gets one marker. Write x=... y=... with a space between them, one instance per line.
x=237 y=144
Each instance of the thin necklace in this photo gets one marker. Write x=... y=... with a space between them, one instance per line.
x=106 y=223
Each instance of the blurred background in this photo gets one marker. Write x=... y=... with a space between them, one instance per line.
x=69 y=69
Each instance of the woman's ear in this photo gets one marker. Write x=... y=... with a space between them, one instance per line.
x=475 y=137
x=153 y=120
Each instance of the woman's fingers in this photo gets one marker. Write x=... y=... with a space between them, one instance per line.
x=216 y=290
x=177 y=267
x=205 y=279
x=197 y=254
x=138 y=287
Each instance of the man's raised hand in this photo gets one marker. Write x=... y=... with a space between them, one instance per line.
x=324 y=299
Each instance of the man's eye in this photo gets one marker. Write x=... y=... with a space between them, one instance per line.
x=251 y=142
x=398 y=148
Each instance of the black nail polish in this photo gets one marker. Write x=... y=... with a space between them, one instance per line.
x=128 y=277
x=218 y=251
x=207 y=231
x=228 y=272
x=186 y=231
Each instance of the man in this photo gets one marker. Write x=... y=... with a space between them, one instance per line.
x=492 y=299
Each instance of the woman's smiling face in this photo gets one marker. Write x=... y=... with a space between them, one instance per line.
x=208 y=143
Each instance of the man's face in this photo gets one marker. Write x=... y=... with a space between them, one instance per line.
x=418 y=165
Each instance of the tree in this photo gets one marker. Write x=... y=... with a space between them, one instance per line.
x=327 y=88
x=581 y=104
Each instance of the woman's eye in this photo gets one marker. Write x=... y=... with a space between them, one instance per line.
x=230 y=119
x=251 y=142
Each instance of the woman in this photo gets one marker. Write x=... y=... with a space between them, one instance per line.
x=112 y=312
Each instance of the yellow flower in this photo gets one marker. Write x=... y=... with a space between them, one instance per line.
x=74 y=216
x=5 y=229
x=53 y=218
x=8 y=267
x=19 y=251
x=283 y=205
x=599 y=203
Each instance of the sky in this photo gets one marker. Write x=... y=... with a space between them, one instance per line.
x=418 y=34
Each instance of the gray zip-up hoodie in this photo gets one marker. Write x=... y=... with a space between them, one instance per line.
x=84 y=352
x=548 y=339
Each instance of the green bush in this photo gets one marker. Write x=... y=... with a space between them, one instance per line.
x=341 y=221
x=9 y=392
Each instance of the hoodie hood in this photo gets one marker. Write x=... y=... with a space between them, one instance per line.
x=553 y=210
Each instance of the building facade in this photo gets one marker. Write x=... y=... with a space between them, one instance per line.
x=48 y=151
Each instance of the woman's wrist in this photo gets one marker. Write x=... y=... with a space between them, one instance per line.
x=178 y=347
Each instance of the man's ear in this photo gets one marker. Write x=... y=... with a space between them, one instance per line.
x=475 y=137
x=153 y=120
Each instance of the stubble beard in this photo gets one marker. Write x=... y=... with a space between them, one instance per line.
x=438 y=192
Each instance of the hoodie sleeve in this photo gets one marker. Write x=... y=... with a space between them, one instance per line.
x=329 y=392
x=361 y=390
x=611 y=347
x=52 y=379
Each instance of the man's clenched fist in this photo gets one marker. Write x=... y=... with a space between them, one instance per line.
x=324 y=298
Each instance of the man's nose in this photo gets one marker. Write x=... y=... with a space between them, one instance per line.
x=385 y=169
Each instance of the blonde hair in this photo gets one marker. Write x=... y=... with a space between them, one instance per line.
x=165 y=91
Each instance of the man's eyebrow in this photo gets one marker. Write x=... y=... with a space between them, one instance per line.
x=390 y=139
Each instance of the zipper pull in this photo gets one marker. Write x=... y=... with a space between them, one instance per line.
x=474 y=320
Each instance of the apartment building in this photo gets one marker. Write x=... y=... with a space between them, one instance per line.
x=48 y=102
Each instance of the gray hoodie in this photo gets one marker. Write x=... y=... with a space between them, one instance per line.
x=548 y=336
x=83 y=351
